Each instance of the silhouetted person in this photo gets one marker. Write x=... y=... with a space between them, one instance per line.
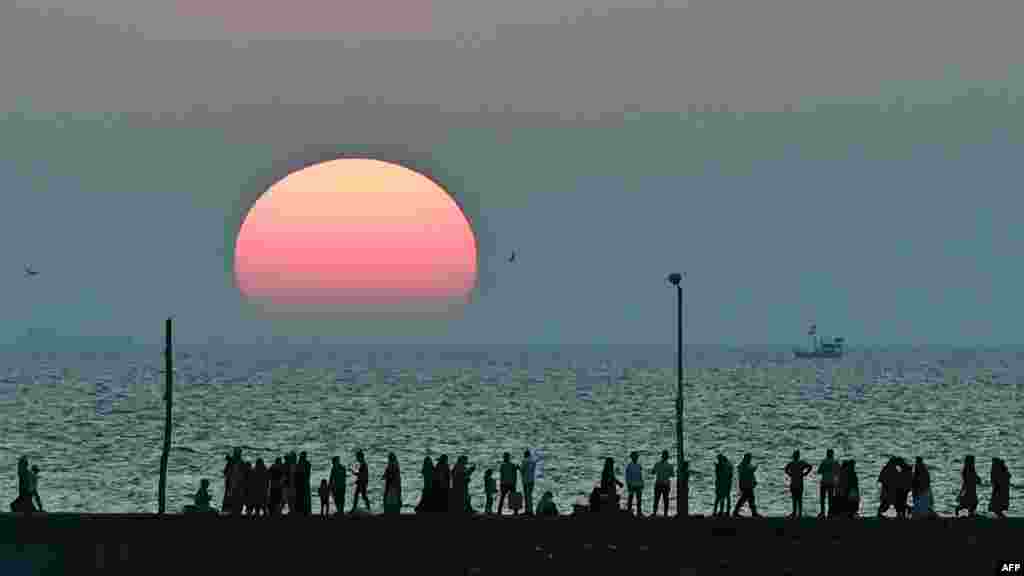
x=922 y=487
x=685 y=472
x=442 y=484
x=467 y=478
x=33 y=488
x=244 y=490
x=906 y=487
x=275 y=486
x=228 y=467
x=490 y=489
x=23 y=503
x=851 y=492
x=796 y=470
x=23 y=479
x=290 y=482
x=969 y=481
x=252 y=481
x=889 y=478
x=293 y=492
x=276 y=474
x=634 y=483
x=392 y=486
x=238 y=477
x=546 y=507
x=828 y=473
x=723 y=486
x=202 y=499
x=507 y=471
x=662 y=471
x=456 y=496
x=336 y=484
x=362 y=475
x=840 y=505
x=261 y=488
x=595 y=499
x=325 y=498
x=610 y=485
x=427 y=474
x=528 y=472
x=748 y=481
x=304 y=492
x=999 y=474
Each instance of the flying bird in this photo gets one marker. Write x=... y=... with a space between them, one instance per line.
x=30 y=272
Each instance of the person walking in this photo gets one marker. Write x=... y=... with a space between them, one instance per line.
x=969 y=482
x=362 y=475
x=748 y=482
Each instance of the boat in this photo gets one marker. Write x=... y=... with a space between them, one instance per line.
x=820 y=347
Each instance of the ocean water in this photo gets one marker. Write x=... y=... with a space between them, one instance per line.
x=93 y=422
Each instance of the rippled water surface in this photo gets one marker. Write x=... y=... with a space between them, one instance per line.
x=94 y=422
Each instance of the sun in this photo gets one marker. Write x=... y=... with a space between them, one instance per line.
x=358 y=234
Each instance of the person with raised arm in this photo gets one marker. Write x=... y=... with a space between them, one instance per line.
x=796 y=470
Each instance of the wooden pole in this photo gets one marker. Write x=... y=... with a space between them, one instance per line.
x=168 y=399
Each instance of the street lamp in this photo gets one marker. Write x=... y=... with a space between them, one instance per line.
x=682 y=475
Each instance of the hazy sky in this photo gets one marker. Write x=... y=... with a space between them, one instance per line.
x=854 y=163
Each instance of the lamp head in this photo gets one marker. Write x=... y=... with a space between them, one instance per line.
x=675 y=278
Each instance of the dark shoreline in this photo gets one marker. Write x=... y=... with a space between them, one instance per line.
x=71 y=543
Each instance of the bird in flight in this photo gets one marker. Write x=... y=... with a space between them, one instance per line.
x=30 y=272
x=512 y=258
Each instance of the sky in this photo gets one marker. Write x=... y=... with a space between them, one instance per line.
x=854 y=164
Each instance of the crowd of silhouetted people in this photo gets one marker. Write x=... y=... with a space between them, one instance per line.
x=255 y=489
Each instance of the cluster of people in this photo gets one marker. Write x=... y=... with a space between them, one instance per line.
x=999 y=480
x=254 y=489
x=447 y=490
x=28 y=500
x=605 y=495
x=839 y=493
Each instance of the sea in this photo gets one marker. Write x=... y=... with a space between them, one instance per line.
x=94 y=421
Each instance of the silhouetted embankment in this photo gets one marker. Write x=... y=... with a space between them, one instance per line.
x=74 y=543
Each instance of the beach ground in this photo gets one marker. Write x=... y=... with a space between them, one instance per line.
x=73 y=543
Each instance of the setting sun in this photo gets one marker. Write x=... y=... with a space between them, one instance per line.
x=356 y=233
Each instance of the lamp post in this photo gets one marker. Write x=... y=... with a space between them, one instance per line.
x=682 y=480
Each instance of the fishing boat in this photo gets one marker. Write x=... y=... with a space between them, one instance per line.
x=820 y=347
